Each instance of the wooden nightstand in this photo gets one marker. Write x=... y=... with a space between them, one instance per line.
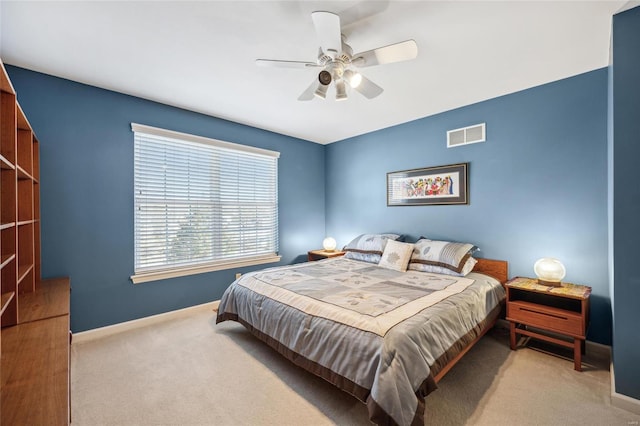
x=561 y=310
x=323 y=254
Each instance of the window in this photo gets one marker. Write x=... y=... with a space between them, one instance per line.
x=201 y=204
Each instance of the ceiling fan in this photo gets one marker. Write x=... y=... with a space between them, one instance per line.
x=339 y=64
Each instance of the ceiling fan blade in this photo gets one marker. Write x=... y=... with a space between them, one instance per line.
x=327 y=26
x=308 y=94
x=368 y=88
x=284 y=64
x=403 y=51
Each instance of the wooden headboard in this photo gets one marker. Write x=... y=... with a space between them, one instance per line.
x=498 y=269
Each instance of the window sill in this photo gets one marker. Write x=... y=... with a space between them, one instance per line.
x=144 y=277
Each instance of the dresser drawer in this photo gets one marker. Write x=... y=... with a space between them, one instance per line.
x=553 y=319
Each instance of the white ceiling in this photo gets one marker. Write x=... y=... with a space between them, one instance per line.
x=200 y=55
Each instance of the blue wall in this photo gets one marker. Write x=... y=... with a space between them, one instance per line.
x=538 y=186
x=626 y=200
x=86 y=154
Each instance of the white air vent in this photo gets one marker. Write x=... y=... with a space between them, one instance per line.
x=466 y=135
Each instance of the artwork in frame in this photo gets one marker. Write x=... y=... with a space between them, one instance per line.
x=429 y=186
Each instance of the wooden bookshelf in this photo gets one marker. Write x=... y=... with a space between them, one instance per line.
x=8 y=200
x=34 y=368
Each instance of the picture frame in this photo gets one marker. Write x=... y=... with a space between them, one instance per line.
x=429 y=186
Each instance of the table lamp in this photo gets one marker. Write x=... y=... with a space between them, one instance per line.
x=549 y=271
x=329 y=244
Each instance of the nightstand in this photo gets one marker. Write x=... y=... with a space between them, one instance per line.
x=563 y=311
x=323 y=254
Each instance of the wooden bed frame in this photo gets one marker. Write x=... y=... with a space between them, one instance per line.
x=498 y=269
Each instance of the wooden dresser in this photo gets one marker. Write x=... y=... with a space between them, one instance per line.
x=35 y=358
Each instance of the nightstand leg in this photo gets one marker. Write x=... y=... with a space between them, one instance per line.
x=577 y=354
x=512 y=335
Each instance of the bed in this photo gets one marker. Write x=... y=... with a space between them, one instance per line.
x=385 y=335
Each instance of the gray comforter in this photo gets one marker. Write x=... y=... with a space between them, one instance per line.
x=374 y=332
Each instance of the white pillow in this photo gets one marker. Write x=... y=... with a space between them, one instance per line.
x=396 y=255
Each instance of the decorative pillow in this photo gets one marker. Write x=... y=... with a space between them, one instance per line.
x=368 y=247
x=396 y=255
x=448 y=255
x=468 y=267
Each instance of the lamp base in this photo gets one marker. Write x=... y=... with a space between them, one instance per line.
x=329 y=251
x=550 y=283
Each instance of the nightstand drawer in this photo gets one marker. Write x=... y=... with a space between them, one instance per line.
x=553 y=319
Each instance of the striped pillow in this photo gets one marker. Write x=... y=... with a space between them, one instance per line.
x=442 y=254
x=368 y=247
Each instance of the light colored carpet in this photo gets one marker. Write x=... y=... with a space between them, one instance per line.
x=189 y=371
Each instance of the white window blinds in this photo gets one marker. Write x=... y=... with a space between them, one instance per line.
x=201 y=204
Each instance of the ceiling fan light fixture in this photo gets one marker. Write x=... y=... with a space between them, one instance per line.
x=341 y=90
x=321 y=91
x=353 y=78
x=324 y=77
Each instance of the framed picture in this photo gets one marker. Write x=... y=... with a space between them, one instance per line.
x=429 y=186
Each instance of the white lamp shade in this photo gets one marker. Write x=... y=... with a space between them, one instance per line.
x=549 y=270
x=321 y=91
x=341 y=90
x=353 y=78
x=329 y=244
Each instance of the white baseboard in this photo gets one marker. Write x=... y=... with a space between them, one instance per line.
x=623 y=401
x=598 y=348
x=97 y=333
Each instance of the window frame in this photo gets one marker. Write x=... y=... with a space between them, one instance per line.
x=145 y=274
